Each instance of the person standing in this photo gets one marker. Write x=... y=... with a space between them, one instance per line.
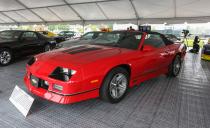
x=131 y=28
x=196 y=46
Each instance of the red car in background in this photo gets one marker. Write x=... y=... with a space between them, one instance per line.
x=107 y=68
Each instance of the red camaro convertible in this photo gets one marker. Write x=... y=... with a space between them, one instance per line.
x=106 y=67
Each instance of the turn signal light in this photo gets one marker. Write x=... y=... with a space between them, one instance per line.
x=58 y=87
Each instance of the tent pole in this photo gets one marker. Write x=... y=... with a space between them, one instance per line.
x=83 y=25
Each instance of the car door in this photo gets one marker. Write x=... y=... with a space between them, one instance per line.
x=145 y=60
x=161 y=51
x=31 y=43
x=142 y=61
x=170 y=50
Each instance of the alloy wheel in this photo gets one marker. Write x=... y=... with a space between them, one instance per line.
x=176 y=66
x=5 y=57
x=47 y=48
x=118 y=86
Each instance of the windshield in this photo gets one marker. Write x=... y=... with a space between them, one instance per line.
x=91 y=35
x=129 y=40
x=9 y=34
x=171 y=37
x=43 y=33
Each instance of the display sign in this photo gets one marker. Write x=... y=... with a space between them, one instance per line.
x=21 y=100
x=145 y=28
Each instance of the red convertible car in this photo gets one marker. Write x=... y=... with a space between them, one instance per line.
x=105 y=68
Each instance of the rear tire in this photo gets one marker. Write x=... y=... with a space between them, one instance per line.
x=5 y=57
x=175 y=67
x=115 y=85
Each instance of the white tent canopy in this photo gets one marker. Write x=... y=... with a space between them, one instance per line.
x=102 y=11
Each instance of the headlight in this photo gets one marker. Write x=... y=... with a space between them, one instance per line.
x=63 y=74
x=46 y=83
x=31 y=61
x=68 y=71
x=34 y=81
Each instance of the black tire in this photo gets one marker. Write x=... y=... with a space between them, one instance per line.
x=6 y=57
x=175 y=67
x=47 y=48
x=106 y=93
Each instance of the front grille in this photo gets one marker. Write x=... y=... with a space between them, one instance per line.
x=38 y=83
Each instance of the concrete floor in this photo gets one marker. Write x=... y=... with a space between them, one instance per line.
x=182 y=102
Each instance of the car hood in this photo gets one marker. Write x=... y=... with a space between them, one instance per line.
x=79 y=55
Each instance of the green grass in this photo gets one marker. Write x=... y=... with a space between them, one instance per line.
x=189 y=43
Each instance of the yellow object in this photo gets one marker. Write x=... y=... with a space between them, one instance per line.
x=48 y=33
x=106 y=29
x=205 y=57
x=189 y=43
x=51 y=34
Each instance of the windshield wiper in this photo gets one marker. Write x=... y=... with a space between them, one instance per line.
x=108 y=44
x=116 y=45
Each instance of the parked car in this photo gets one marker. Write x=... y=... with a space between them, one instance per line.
x=67 y=34
x=48 y=33
x=86 y=38
x=107 y=68
x=64 y=35
x=205 y=54
x=14 y=43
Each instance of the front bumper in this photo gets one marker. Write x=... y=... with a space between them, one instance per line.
x=59 y=97
x=205 y=57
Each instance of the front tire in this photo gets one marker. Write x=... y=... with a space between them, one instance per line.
x=47 y=48
x=5 y=57
x=115 y=85
x=175 y=67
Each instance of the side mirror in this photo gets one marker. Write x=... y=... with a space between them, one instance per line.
x=147 y=48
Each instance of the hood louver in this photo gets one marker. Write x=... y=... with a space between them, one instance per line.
x=80 y=49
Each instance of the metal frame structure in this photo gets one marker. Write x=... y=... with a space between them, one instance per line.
x=18 y=1
x=138 y=19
